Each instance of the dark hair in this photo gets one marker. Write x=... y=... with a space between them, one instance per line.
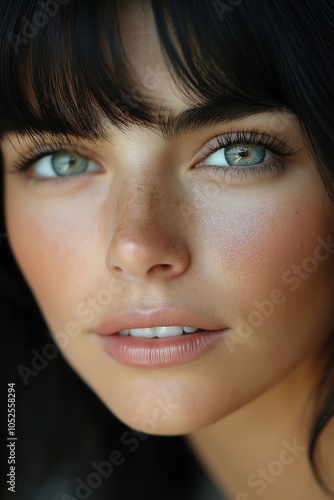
x=64 y=69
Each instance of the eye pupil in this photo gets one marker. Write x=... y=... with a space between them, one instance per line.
x=242 y=152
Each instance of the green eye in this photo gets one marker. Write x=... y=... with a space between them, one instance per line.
x=69 y=164
x=237 y=155
x=64 y=164
x=242 y=155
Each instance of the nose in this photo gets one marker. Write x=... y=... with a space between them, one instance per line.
x=146 y=242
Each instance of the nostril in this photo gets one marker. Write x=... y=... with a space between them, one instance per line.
x=161 y=267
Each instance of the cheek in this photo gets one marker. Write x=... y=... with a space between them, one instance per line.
x=259 y=240
x=54 y=243
x=271 y=271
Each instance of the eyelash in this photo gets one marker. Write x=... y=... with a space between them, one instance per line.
x=27 y=160
x=280 y=148
x=254 y=137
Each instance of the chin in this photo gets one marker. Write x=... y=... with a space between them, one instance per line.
x=179 y=424
x=165 y=415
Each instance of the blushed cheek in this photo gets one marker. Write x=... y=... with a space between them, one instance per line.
x=57 y=255
x=263 y=244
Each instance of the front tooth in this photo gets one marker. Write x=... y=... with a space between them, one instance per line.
x=168 y=331
x=143 y=332
x=124 y=332
x=189 y=329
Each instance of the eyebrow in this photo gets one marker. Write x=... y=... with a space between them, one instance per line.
x=195 y=118
x=171 y=125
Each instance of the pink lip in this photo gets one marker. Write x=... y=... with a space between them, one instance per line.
x=158 y=352
x=163 y=316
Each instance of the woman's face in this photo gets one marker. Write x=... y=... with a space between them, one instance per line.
x=146 y=226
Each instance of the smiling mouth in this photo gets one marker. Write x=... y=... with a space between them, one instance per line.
x=161 y=331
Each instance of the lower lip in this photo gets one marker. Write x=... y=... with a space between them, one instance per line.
x=159 y=353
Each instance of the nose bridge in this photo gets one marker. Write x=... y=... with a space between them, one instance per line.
x=145 y=240
x=144 y=181
x=139 y=205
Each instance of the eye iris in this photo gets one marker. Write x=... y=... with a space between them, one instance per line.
x=68 y=163
x=240 y=154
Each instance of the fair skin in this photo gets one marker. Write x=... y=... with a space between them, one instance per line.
x=239 y=401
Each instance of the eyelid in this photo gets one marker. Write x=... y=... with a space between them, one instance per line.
x=27 y=159
x=253 y=134
x=281 y=149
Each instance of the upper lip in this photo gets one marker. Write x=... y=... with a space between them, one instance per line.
x=162 y=316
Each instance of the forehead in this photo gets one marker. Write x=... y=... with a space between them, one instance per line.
x=144 y=54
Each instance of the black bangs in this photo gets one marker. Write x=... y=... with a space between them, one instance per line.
x=279 y=53
x=64 y=68
x=266 y=50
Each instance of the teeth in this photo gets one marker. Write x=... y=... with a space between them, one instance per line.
x=139 y=332
x=168 y=331
x=124 y=332
x=158 y=331
x=189 y=329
